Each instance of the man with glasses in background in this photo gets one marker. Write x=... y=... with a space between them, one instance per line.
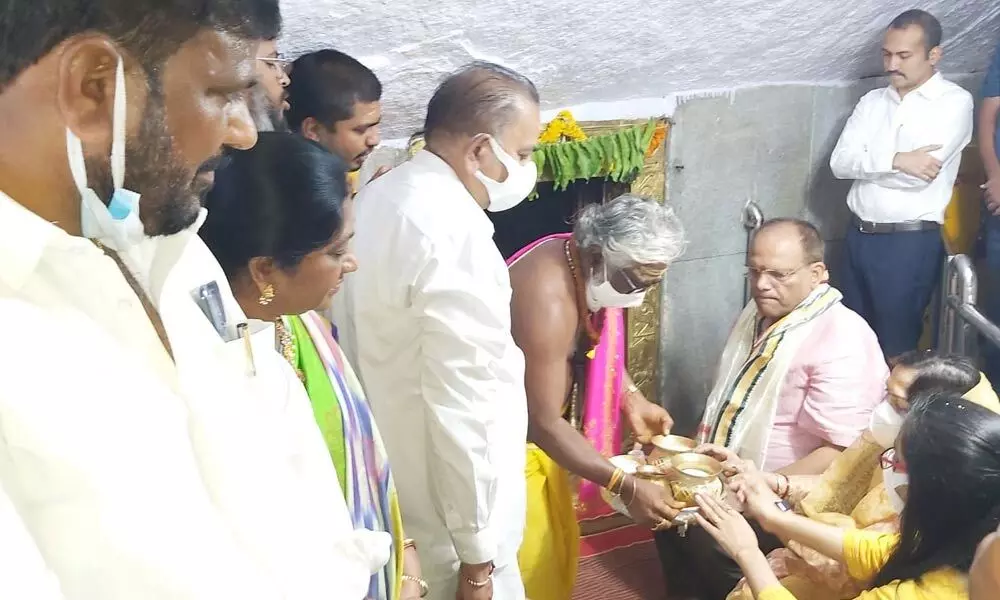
x=269 y=98
x=797 y=382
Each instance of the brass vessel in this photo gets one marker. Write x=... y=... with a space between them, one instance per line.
x=692 y=474
x=667 y=446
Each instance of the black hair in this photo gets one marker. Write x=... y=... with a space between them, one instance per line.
x=150 y=30
x=941 y=372
x=927 y=22
x=282 y=199
x=479 y=98
x=813 y=246
x=951 y=447
x=325 y=85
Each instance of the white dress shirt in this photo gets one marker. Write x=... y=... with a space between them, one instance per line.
x=23 y=572
x=427 y=321
x=139 y=477
x=937 y=113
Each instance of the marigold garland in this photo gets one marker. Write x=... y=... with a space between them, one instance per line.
x=658 y=136
x=562 y=128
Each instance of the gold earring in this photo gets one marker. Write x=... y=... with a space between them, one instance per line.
x=266 y=296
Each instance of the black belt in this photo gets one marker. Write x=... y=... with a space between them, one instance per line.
x=905 y=226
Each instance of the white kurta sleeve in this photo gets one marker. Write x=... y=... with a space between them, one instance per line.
x=864 y=150
x=462 y=341
x=357 y=553
x=159 y=534
x=23 y=572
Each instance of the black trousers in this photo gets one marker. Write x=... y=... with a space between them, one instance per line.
x=889 y=279
x=696 y=567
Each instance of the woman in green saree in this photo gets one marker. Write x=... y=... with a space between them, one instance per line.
x=280 y=221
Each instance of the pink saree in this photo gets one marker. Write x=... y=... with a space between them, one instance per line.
x=601 y=401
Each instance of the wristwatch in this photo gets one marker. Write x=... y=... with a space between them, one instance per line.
x=783 y=506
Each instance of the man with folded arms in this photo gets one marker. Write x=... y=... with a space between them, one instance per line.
x=901 y=147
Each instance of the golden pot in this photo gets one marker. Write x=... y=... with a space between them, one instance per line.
x=653 y=474
x=692 y=474
x=667 y=446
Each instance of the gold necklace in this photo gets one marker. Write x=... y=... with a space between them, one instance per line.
x=286 y=346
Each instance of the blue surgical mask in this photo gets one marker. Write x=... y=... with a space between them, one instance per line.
x=116 y=224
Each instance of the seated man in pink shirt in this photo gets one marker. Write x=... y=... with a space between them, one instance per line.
x=799 y=377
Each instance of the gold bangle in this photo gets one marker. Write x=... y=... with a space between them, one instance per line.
x=481 y=584
x=613 y=480
x=409 y=543
x=624 y=480
x=614 y=484
x=424 y=588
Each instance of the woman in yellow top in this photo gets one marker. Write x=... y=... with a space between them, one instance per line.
x=984 y=577
x=945 y=466
x=849 y=494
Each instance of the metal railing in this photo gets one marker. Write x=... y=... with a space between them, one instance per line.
x=960 y=323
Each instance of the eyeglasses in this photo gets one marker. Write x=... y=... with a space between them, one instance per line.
x=276 y=63
x=627 y=284
x=889 y=460
x=771 y=274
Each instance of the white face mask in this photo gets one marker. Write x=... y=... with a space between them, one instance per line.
x=885 y=424
x=893 y=480
x=604 y=295
x=521 y=179
x=116 y=224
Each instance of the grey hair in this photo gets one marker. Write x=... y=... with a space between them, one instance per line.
x=481 y=97
x=631 y=230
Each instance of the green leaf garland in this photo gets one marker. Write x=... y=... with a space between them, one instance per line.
x=618 y=156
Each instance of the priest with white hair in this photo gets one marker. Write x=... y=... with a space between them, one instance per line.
x=571 y=291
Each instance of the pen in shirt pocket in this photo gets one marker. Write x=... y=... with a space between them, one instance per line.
x=243 y=331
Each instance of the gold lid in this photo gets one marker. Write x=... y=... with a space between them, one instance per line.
x=673 y=444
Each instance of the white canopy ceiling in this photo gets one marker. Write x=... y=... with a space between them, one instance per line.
x=613 y=50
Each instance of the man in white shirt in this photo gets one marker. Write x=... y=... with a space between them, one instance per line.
x=902 y=147
x=23 y=572
x=427 y=320
x=149 y=451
